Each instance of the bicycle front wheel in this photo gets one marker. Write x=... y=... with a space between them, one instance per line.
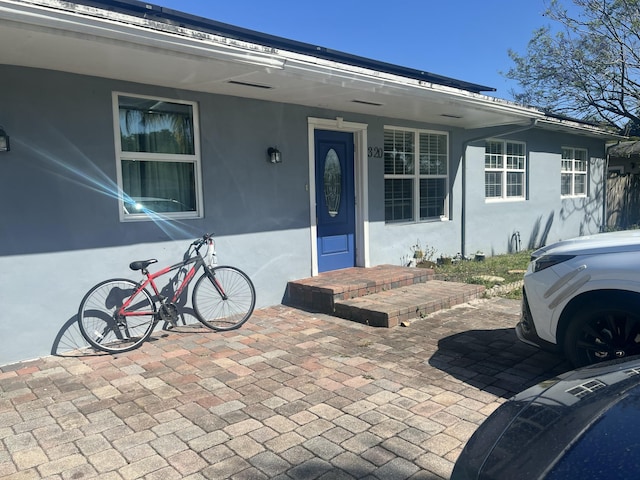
x=103 y=328
x=223 y=298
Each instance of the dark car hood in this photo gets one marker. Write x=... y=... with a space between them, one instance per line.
x=537 y=431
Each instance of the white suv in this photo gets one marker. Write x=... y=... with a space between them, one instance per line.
x=581 y=297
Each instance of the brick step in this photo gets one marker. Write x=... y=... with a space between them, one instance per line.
x=381 y=296
x=391 y=307
x=320 y=293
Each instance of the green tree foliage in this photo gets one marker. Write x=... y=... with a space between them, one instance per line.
x=586 y=64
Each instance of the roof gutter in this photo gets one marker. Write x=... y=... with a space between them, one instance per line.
x=463 y=216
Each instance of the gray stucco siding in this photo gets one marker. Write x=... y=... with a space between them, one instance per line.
x=63 y=162
x=544 y=216
x=392 y=242
x=61 y=231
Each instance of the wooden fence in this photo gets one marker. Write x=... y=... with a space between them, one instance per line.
x=623 y=202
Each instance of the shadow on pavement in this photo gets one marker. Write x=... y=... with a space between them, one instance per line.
x=496 y=361
x=69 y=342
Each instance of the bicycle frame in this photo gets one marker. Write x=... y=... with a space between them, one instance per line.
x=119 y=314
x=198 y=262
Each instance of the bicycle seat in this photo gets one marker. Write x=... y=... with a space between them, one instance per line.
x=141 y=264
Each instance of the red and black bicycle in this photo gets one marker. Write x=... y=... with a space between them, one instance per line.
x=117 y=315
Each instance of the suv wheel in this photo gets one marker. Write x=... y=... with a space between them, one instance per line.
x=597 y=333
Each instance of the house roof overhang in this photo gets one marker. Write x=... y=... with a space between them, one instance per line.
x=143 y=43
x=629 y=149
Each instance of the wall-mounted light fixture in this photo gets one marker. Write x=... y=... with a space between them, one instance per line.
x=4 y=141
x=274 y=155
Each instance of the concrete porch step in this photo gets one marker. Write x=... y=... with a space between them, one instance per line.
x=392 y=307
x=382 y=296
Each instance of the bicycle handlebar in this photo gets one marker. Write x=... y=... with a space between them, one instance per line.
x=201 y=241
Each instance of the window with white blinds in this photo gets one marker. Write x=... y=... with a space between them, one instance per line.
x=416 y=169
x=505 y=170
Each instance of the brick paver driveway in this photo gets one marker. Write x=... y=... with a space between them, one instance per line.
x=291 y=395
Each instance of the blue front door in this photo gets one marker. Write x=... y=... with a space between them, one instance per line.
x=335 y=200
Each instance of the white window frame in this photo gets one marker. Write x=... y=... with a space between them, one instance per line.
x=504 y=169
x=194 y=159
x=568 y=167
x=416 y=176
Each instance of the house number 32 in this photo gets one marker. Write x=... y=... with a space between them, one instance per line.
x=375 y=152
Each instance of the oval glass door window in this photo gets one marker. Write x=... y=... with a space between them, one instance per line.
x=332 y=182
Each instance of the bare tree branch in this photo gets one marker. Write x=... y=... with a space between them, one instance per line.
x=585 y=64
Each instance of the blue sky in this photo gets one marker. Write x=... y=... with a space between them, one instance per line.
x=464 y=39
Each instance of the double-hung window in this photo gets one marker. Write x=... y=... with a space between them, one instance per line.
x=416 y=168
x=504 y=170
x=573 y=172
x=158 y=154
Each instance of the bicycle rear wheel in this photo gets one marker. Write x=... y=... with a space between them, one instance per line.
x=223 y=298
x=100 y=325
